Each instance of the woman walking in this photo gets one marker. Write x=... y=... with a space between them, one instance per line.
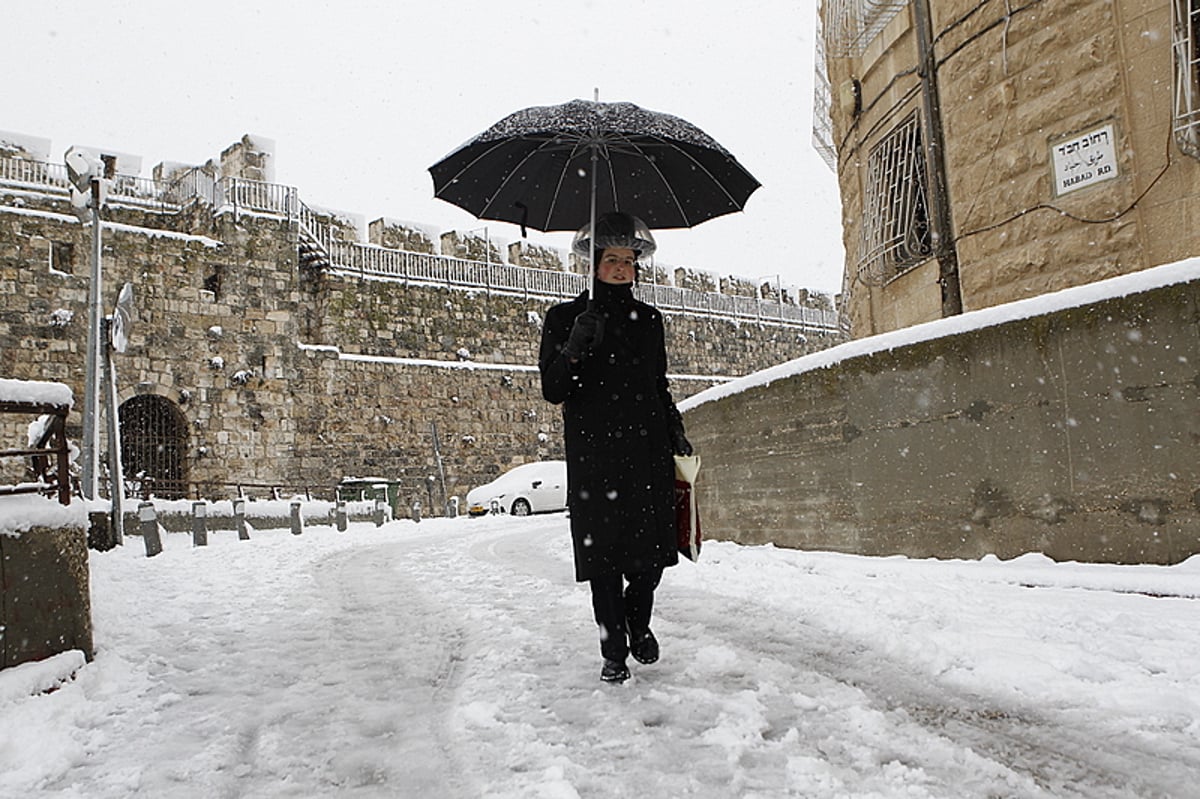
x=604 y=360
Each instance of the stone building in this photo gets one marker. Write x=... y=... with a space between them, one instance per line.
x=992 y=151
x=272 y=348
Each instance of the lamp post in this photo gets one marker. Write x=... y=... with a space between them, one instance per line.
x=90 y=188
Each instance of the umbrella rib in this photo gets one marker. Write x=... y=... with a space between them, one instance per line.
x=453 y=179
x=581 y=143
x=512 y=173
x=668 y=143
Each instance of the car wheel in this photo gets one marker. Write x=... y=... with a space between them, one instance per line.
x=521 y=508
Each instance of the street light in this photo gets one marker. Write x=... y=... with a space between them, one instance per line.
x=90 y=189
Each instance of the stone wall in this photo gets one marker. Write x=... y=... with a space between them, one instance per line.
x=1072 y=433
x=294 y=377
x=1014 y=81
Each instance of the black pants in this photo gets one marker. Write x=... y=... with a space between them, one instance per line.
x=620 y=609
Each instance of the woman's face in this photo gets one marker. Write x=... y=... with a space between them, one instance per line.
x=617 y=266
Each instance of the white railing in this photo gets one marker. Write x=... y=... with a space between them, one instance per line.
x=412 y=267
x=272 y=199
x=256 y=196
x=33 y=174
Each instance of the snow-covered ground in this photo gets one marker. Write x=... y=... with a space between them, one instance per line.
x=457 y=658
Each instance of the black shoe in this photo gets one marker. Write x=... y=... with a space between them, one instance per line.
x=614 y=671
x=643 y=647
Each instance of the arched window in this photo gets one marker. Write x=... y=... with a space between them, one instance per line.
x=154 y=439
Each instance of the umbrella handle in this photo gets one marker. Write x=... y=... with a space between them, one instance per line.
x=592 y=226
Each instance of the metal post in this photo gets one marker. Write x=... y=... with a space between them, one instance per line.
x=199 y=524
x=239 y=518
x=297 y=522
x=149 y=521
x=115 y=473
x=437 y=454
x=941 y=233
x=90 y=475
x=340 y=515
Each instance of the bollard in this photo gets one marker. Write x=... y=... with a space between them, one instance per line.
x=340 y=515
x=149 y=521
x=452 y=508
x=416 y=511
x=100 y=537
x=239 y=518
x=380 y=508
x=199 y=524
x=297 y=522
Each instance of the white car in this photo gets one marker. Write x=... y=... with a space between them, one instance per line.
x=539 y=487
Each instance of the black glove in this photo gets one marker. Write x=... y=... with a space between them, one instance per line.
x=586 y=334
x=679 y=443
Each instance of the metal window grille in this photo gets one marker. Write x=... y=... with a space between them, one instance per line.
x=895 y=227
x=822 y=135
x=851 y=25
x=1185 y=41
x=154 y=441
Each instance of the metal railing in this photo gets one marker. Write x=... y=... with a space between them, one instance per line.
x=49 y=460
x=244 y=196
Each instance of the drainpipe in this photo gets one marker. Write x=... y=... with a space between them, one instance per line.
x=944 y=249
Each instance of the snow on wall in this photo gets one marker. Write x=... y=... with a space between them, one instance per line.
x=35 y=391
x=21 y=512
x=1122 y=286
x=33 y=147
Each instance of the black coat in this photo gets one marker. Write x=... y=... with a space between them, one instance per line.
x=616 y=414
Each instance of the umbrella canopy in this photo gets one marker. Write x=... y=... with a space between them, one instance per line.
x=534 y=168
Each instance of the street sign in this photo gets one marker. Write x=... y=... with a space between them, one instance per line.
x=122 y=318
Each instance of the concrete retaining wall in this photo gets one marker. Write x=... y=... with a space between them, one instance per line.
x=45 y=600
x=1075 y=434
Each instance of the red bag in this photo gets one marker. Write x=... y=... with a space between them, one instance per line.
x=687 y=515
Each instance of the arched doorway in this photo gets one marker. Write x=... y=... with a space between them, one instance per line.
x=154 y=439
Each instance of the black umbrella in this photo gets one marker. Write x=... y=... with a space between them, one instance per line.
x=550 y=167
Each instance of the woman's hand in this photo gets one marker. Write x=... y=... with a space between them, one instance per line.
x=679 y=443
x=586 y=333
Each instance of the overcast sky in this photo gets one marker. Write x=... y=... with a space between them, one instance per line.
x=361 y=97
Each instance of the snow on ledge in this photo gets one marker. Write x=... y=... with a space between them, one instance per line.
x=1122 y=286
x=38 y=391
x=20 y=512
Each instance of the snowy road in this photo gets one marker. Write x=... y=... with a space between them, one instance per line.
x=457 y=658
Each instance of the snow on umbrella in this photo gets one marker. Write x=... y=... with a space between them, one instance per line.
x=550 y=167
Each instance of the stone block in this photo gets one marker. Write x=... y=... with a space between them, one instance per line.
x=45 y=599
